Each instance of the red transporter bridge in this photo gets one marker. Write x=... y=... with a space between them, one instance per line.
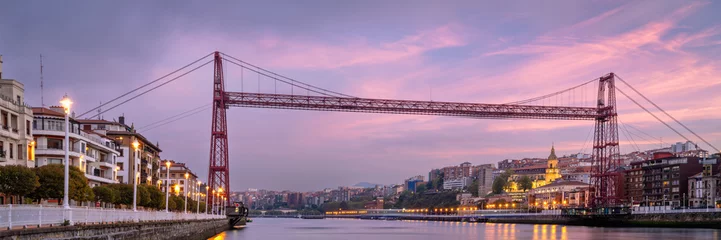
x=605 y=179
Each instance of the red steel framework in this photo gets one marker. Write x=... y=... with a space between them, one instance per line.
x=606 y=159
x=218 y=177
x=606 y=146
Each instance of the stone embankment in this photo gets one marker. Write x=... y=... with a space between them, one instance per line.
x=181 y=229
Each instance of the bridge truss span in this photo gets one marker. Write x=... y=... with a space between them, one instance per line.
x=368 y=105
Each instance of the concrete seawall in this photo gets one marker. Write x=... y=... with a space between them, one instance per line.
x=668 y=220
x=186 y=229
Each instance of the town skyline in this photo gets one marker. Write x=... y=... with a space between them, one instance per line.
x=668 y=52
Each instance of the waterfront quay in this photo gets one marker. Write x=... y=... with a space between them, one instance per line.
x=687 y=218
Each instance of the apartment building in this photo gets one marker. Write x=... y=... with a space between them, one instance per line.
x=93 y=153
x=15 y=118
x=145 y=161
x=178 y=183
x=16 y=143
x=666 y=179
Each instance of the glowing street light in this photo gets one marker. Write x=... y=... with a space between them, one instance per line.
x=206 y=198
x=66 y=103
x=136 y=144
x=197 y=198
x=185 y=192
x=167 y=184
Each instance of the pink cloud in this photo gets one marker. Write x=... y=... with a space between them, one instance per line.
x=295 y=53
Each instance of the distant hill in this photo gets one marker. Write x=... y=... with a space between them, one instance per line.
x=366 y=185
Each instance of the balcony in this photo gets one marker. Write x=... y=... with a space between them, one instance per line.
x=93 y=177
x=94 y=140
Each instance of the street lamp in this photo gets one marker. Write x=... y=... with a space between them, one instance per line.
x=206 y=198
x=167 y=184
x=185 y=192
x=212 y=209
x=66 y=103
x=197 y=198
x=136 y=144
x=221 y=199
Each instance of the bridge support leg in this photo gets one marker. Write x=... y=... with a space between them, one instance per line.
x=606 y=158
x=218 y=177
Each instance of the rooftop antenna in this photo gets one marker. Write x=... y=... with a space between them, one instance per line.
x=42 y=100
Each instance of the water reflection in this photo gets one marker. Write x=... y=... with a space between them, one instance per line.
x=276 y=229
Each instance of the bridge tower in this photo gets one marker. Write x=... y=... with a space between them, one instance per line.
x=605 y=178
x=218 y=177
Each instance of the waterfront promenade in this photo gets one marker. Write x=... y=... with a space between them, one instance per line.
x=33 y=216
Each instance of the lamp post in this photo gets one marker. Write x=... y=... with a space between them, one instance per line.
x=136 y=144
x=185 y=192
x=197 y=198
x=220 y=199
x=167 y=184
x=212 y=209
x=66 y=103
x=206 y=198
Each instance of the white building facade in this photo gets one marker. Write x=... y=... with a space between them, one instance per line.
x=15 y=119
x=91 y=152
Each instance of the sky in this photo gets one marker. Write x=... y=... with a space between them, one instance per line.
x=461 y=51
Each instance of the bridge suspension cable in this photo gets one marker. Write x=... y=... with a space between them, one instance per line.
x=278 y=77
x=667 y=114
x=143 y=86
x=651 y=113
x=151 y=89
x=180 y=117
x=168 y=119
x=547 y=96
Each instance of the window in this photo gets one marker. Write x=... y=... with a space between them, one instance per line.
x=82 y=148
x=120 y=165
x=27 y=127
x=4 y=120
x=122 y=152
x=674 y=189
x=11 y=150
x=20 y=152
x=20 y=102
x=55 y=143
x=674 y=182
x=55 y=161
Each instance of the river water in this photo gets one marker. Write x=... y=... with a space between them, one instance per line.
x=276 y=229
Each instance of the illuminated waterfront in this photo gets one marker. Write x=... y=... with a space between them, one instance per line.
x=272 y=229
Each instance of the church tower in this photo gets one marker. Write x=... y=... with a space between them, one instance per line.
x=552 y=171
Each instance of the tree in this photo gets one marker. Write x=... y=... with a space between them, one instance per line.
x=171 y=203
x=157 y=198
x=420 y=188
x=52 y=181
x=80 y=191
x=343 y=205
x=473 y=188
x=103 y=194
x=143 y=198
x=525 y=183
x=17 y=180
x=499 y=184
x=124 y=193
x=179 y=203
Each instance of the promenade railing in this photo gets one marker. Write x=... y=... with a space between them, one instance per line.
x=37 y=215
